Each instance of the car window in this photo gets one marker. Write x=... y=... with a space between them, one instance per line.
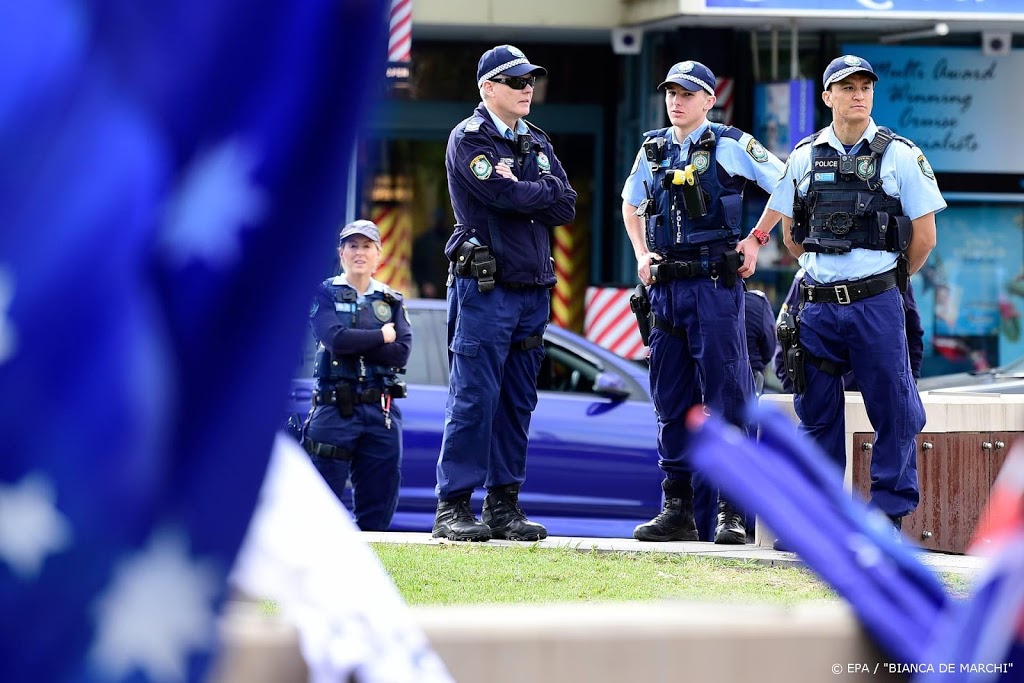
x=566 y=371
x=428 y=360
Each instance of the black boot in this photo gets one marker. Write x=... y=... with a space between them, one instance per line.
x=675 y=521
x=506 y=519
x=729 y=530
x=455 y=521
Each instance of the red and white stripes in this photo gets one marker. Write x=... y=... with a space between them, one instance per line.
x=610 y=322
x=400 y=31
x=724 y=88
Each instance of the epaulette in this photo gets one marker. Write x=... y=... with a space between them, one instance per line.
x=537 y=129
x=391 y=296
x=473 y=124
x=809 y=139
x=656 y=133
x=724 y=131
x=758 y=292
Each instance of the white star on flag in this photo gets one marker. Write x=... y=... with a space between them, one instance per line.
x=216 y=200
x=157 y=609
x=31 y=527
x=8 y=338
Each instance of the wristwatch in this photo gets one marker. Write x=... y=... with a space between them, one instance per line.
x=761 y=236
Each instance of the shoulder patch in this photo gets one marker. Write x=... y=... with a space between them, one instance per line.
x=757 y=151
x=481 y=167
x=473 y=125
x=925 y=167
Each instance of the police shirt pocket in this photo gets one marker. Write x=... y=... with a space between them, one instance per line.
x=465 y=346
x=732 y=208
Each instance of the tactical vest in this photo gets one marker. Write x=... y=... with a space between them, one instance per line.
x=845 y=207
x=670 y=230
x=377 y=309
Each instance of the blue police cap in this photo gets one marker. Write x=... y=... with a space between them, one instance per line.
x=361 y=227
x=507 y=60
x=691 y=75
x=841 y=67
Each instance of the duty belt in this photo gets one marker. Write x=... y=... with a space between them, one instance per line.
x=330 y=397
x=848 y=292
x=724 y=266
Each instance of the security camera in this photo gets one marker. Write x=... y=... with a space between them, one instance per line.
x=996 y=43
x=627 y=41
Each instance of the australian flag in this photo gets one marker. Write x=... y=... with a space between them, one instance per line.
x=172 y=173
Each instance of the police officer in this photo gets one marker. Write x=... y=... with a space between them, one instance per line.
x=507 y=189
x=861 y=220
x=355 y=427
x=682 y=206
x=915 y=334
x=760 y=329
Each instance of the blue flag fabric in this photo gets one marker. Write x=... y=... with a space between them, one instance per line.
x=800 y=496
x=172 y=173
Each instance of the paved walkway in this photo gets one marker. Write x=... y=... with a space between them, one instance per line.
x=954 y=564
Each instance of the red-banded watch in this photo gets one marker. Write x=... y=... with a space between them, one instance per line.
x=761 y=236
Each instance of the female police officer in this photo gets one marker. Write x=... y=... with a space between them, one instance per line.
x=364 y=339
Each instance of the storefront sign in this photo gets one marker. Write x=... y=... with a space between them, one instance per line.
x=960 y=107
x=970 y=8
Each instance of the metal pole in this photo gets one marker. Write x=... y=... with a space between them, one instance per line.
x=775 y=53
x=755 y=56
x=794 y=48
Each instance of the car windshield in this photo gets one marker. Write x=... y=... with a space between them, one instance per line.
x=1014 y=368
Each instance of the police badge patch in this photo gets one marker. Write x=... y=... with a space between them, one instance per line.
x=382 y=311
x=926 y=168
x=701 y=160
x=757 y=151
x=865 y=167
x=481 y=167
x=542 y=162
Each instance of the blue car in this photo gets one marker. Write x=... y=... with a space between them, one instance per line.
x=592 y=467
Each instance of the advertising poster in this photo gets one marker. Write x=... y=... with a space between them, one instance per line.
x=783 y=114
x=955 y=103
x=971 y=291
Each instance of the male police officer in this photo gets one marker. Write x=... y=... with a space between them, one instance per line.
x=682 y=205
x=364 y=341
x=861 y=220
x=507 y=189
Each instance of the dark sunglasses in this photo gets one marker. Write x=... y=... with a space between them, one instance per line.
x=516 y=82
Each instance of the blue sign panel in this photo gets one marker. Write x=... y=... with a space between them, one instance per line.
x=961 y=107
x=784 y=114
x=972 y=8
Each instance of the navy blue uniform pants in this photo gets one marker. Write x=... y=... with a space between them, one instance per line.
x=375 y=468
x=867 y=337
x=492 y=387
x=709 y=366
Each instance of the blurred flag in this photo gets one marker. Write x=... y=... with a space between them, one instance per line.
x=171 y=175
x=799 y=493
x=351 y=619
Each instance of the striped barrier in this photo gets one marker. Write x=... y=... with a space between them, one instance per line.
x=610 y=322
x=396 y=238
x=571 y=258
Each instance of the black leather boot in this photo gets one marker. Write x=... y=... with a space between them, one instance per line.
x=455 y=521
x=506 y=519
x=729 y=529
x=675 y=521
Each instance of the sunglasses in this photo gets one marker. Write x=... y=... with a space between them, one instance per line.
x=516 y=82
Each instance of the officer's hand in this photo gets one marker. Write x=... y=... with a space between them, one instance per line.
x=643 y=266
x=749 y=247
x=388 y=330
x=504 y=171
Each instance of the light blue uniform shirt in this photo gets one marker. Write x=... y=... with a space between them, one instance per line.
x=732 y=155
x=521 y=128
x=905 y=175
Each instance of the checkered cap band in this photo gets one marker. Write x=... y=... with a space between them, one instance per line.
x=498 y=69
x=693 y=79
x=843 y=73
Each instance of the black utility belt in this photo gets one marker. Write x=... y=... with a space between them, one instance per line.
x=345 y=394
x=724 y=267
x=848 y=292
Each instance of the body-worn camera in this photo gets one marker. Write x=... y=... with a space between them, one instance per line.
x=654 y=150
x=847 y=164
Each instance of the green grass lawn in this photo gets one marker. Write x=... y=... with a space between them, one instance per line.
x=472 y=574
